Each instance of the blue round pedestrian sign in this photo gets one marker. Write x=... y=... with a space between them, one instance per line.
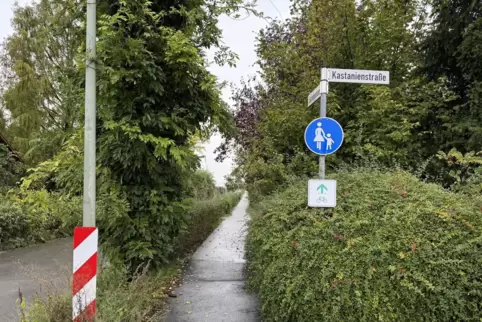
x=324 y=136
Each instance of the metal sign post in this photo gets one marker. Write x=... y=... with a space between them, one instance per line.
x=84 y=279
x=322 y=142
x=90 y=118
x=324 y=94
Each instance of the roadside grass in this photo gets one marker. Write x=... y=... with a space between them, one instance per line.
x=118 y=298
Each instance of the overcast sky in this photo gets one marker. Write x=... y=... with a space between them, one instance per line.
x=238 y=34
x=240 y=37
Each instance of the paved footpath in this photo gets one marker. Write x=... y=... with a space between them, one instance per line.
x=46 y=266
x=213 y=284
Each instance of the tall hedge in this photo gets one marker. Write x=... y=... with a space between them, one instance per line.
x=394 y=249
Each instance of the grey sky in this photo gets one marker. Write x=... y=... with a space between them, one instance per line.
x=238 y=34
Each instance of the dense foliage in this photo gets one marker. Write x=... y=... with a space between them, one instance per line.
x=41 y=82
x=11 y=168
x=394 y=249
x=145 y=130
x=36 y=216
x=202 y=185
x=465 y=171
x=453 y=50
x=433 y=103
x=156 y=100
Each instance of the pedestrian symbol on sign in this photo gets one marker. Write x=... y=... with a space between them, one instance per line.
x=329 y=141
x=319 y=136
x=324 y=136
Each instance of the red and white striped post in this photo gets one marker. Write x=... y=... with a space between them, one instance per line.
x=85 y=274
x=86 y=238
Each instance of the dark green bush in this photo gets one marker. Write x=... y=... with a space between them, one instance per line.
x=10 y=168
x=14 y=226
x=394 y=249
x=465 y=171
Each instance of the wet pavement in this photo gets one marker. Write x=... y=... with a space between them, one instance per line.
x=40 y=268
x=212 y=288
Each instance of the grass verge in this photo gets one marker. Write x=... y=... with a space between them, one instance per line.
x=118 y=299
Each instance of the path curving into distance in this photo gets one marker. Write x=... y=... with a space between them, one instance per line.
x=212 y=287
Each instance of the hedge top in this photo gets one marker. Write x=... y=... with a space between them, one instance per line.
x=394 y=249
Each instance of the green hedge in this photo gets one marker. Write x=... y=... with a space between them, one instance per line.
x=394 y=249
x=14 y=226
x=36 y=216
x=204 y=217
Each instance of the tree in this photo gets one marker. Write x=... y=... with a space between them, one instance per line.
x=41 y=87
x=155 y=95
x=394 y=125
x=235 y=180
x=156 y=98
x=452 y=50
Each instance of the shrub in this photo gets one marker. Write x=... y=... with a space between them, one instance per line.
x=204 y=217
x=394 y=249
x=10 y=168
x=465 y=171
x=14 y=226
x=30 y=217
x=34 y=216
x=235 y=180
x=221 y=190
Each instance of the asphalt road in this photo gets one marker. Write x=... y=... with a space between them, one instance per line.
x=212 y=288
x=41 y=268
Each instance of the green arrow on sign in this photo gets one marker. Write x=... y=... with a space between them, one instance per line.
x=322 y=188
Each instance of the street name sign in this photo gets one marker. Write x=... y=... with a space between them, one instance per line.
x=337 y=75
x=316 y=94
x=324 y=136
x=322 y=193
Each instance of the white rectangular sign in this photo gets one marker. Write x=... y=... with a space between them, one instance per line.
x=337 y=75
x=322 y=193
x=314 y=95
